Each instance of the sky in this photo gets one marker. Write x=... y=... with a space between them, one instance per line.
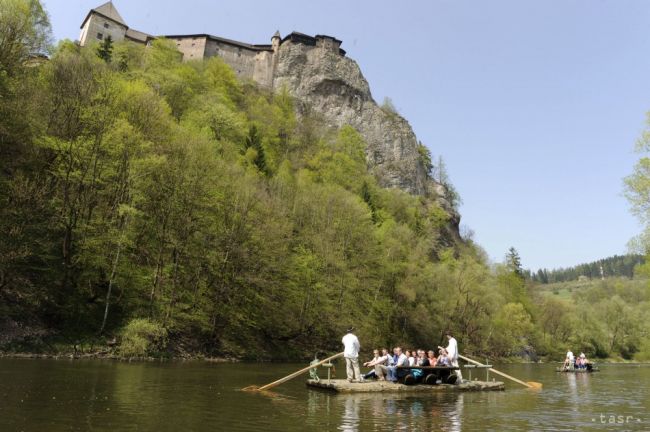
x=535 y=106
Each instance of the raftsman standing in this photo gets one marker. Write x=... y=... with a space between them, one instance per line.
x=351 y=354
x=452 y=353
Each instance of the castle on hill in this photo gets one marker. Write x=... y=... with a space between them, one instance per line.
x=251 y=61
x=316 y=72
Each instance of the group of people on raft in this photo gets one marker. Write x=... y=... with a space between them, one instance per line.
x=571 y=362
x=392 y=367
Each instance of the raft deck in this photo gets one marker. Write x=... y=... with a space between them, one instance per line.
x=343 y=386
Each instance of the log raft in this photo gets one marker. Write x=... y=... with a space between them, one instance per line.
x=343 y=386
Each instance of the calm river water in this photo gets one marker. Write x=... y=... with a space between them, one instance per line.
x=96 y=395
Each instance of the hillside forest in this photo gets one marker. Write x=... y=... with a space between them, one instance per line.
x=615 y=266
x=150 y=207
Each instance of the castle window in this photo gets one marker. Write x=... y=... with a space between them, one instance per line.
x=105 y=25
x=100 y=36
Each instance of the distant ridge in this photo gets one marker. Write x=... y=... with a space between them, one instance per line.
x=614 y=266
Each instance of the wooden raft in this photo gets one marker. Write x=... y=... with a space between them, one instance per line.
x=343 y=386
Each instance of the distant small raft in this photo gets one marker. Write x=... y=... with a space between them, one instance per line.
x=343 y=386
x=577 y=370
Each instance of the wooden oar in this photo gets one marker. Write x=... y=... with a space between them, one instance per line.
x=293 y=375
x=529 y=384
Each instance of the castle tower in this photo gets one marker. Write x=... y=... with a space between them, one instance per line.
x=101 y=22
x=104 y=21
x=275 y=41
x=328 y=43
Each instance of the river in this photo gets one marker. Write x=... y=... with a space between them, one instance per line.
x=103 y=395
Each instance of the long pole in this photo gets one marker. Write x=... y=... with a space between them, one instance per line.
x=295 y=374
x=530 y=384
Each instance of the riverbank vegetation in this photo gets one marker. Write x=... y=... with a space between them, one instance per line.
x=154 y=207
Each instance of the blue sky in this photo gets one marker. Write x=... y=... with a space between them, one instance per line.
x=535 y=106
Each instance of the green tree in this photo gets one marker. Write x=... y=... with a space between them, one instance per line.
x=255 y=151
x=637 y=186
x=426 y=159
x=24 y=32
x=512 y=331
x=513 y=262
x=105 y=49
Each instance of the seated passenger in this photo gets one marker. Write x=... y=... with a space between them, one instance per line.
x=443 y=358
x=422 y=359
x=375 y=356
x=432 y=358
x=393 y=372
x=411 y=357
x=395 y=356
x=381 y=364
x=392 y=358
x=371 y=374
x=583 y=360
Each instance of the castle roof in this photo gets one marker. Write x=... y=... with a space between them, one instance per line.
x=138 y=36
x=307 y=39
x=255 y=47
x=107 y=10
x=328 y=37
x=310 y=40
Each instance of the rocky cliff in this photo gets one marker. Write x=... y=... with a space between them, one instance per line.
x=334 y=86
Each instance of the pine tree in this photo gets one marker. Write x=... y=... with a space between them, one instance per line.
x=513 y=262
x=367 y=197
x=254 y=141
x=105 y=50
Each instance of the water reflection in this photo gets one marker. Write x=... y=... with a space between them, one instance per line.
x=57 y=396
x=573 y=389
x=456 y=415
x=378 y=411
x=578 y=389
x=350 y=420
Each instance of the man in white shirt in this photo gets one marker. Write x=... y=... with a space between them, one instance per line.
x=452 y=353
x=402 y=360
x=351 y=353
x=569 y=361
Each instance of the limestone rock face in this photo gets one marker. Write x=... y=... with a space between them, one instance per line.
x=334 y=86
